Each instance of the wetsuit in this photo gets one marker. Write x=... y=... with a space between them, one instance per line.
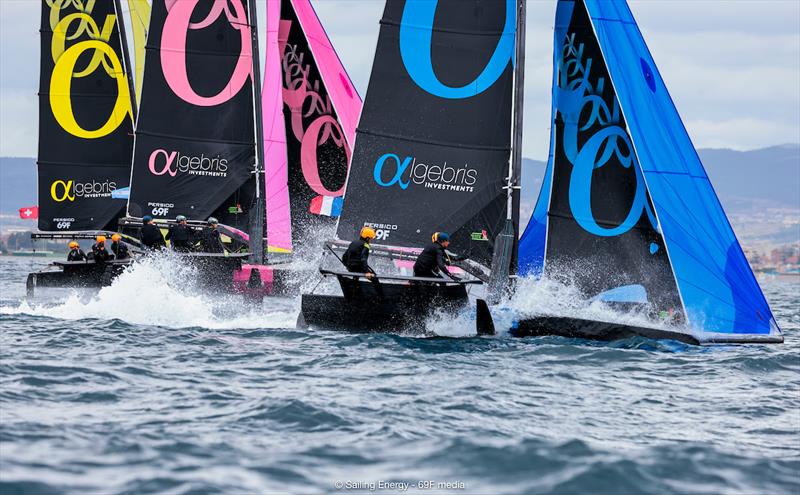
x=151 y=237
x=210 y=241
x=100 y=254
x=431 y=262
x=180 y=237
x=76 y=254
x=356 y=258
x=120 y=250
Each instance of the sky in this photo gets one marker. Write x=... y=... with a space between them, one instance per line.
x=732 y=66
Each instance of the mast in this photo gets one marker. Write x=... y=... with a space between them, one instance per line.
x=259 y=211
x=126 y=59
x=506 y=240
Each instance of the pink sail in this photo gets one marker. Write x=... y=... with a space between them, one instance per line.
x=288 y=82
x=343 y=94
x=279 y=220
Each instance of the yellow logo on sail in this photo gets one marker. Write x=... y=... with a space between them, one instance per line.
x=62 y=190
x=66 y=60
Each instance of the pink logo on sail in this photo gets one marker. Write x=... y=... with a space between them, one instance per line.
x=173 y=48
x=305 y=102
x=169 y=160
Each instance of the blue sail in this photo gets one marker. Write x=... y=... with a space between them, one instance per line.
x=717 y=288
x=532 y=242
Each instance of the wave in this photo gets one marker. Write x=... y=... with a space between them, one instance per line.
x=162 y=291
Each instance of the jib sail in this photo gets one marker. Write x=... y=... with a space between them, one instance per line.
x=310 y=111
x=626 y=201
x=195 y=147
x=85 y=116
x=140 y=22
x=433 y=142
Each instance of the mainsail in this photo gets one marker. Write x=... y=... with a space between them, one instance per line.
x=626 y=201
x=195 y=147
x=433 y=142
x=85 y=116
x=310 y=113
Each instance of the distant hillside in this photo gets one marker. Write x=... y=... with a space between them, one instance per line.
x=743 y=179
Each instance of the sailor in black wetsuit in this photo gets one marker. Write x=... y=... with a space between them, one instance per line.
x=151 y=234
x=210 y=240
x=100 y=254
x=119 y=248
x=180 y=235
x=75 y=252
x=356 y=258
x=433 y=260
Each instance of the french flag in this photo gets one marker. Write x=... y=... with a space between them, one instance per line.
x=326 y=205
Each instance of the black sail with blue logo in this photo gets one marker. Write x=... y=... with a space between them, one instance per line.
x=433 y=143
x=85 y=116
x=195 y=139
x=603 y=230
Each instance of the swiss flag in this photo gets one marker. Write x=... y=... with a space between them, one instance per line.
x=29 y=213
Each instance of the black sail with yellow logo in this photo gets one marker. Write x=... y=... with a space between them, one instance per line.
x=433 y=143
x=195 y=136
x=85 y=116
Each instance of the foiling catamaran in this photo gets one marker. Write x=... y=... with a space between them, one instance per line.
x=86 y=115
x=627 y=213
x=432 y=154
x=199 y=150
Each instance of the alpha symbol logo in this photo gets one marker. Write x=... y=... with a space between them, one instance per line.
x=411 y=171
x=175 y=162
x=68 y=190
x=61 y=190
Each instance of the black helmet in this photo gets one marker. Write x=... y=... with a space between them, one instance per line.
x=212 y=221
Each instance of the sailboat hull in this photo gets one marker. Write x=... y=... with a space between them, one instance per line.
x=593 y=330
x=402 y=307
x=75 y=275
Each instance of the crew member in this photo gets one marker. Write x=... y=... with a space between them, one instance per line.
x=433 y=260
x=75 y=252
x=356 y=257
x=180 y=235
x=99 y=252
x=151 y=234
x=119 y=248
x=210 y=240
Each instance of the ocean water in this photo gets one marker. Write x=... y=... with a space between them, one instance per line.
x=142 y=388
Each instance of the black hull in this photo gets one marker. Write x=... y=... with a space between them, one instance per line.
x=403 y=307
x=217 y=273
x=593 y=330
x=75 y=275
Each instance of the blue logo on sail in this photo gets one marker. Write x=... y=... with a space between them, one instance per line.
x=416 y=30
x=574 y=93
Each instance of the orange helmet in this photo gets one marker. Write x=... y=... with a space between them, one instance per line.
x=73 y=245
x=101 y=238
x=368 y=233
x=116 y=237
